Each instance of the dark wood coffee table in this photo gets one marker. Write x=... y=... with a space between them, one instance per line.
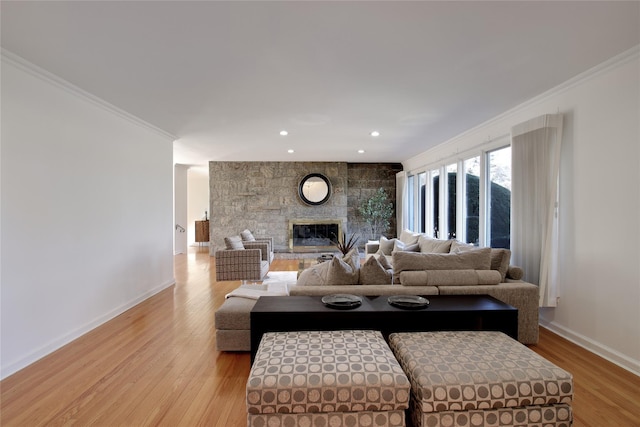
x=445 y=313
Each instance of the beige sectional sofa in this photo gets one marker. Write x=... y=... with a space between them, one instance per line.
x=411 y=268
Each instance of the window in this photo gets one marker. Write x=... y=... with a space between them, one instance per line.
x=471 y=200
x=435 y=201
x=422 y=194
x=467 y=199
x=499 y=198
x=411 y=201
x=450 y=197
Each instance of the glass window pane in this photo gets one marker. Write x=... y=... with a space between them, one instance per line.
x=410 y=201
x=499 y=197
x=422 y=183
x=452 y=173
x=472 y=201
x=435 y=199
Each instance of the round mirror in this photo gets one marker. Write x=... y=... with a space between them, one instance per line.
x=314 y=189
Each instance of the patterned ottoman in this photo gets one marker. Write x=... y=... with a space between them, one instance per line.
x=481 y=379
x=326 y=379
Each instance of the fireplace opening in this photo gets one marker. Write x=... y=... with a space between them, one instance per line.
x=313 y=235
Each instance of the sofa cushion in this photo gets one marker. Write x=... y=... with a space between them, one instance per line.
x=500 y=258
x=233 y=242
x=408 y=237
x=386 y=246
x=429 y=245
x=373 y=272
x=247 y=236
x=473 y=260
x=449 y=277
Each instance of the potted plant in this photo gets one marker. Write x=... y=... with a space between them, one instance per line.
x=377 y=211
x=344 y=245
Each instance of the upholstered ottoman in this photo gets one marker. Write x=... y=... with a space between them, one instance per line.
x=481 y=379
x=331 y=378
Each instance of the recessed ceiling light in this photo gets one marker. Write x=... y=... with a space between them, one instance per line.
x=284 y=133
x=361 y=151
x=290 y=151
x=375 y=133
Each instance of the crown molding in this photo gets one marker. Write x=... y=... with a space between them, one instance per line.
x=437 y=151
x=36 y=71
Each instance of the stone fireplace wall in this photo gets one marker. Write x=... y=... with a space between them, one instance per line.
x=263 y=196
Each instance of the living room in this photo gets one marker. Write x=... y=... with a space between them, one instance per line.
x=88 y=211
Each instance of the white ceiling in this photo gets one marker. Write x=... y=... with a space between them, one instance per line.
x=226 y=77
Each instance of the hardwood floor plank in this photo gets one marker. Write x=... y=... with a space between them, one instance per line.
x=156 y=365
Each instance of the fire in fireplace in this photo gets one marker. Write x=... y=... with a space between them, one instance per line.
x=313 y=235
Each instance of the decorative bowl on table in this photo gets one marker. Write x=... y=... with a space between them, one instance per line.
x=408 y=302
x=342 y=301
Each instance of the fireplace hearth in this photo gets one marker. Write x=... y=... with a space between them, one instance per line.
x=307 y=235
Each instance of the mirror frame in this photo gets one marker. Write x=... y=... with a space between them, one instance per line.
x=304 y=180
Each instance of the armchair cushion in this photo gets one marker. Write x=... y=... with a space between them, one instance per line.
x=233 y=242
x=247 y=236
x=264 y=247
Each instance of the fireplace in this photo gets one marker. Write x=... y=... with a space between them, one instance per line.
x=312 y=235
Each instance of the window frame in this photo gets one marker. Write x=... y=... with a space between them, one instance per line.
x=482 y=151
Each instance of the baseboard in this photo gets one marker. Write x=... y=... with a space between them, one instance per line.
x=603 y=351
x=65 y=339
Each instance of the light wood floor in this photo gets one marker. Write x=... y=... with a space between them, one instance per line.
x=156 y=364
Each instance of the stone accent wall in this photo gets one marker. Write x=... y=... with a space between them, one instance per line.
x=263 y=196
x=364 y=180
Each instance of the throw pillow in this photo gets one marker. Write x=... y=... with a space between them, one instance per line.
x=352 y=258
x=386 y=246
x=341 y=273
x=373 y=273
x=233 y=242
x=500 y=259
x=400 y=246
x=247 y=236
x=457 y=247
x=314 y=276
x=430 y=245
x=384 y=262
x=408 y=237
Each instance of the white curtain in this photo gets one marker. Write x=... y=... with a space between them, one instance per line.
x=402 y=202
x=535 y=151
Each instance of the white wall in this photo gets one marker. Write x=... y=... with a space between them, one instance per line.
x=599 y=260
x=86 y=214
x=198 y=199
x=180 y=205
